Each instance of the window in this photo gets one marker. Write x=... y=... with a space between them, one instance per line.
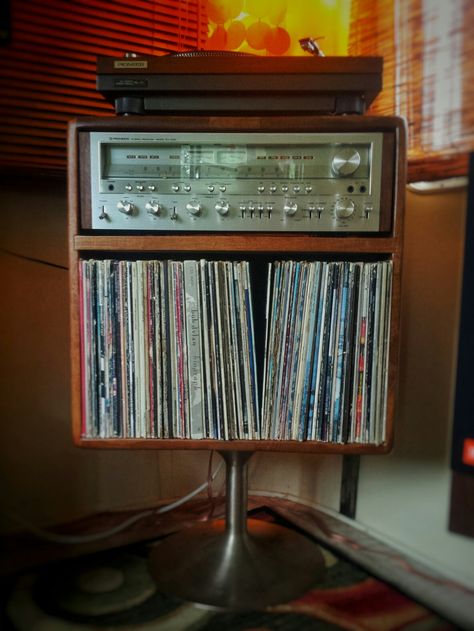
x=47 y=69
x=428 y=76
x=48 y=65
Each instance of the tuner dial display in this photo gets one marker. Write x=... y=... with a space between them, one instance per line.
x=346 y=161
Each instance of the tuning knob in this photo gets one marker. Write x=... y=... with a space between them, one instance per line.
x=346 y=161
x=193 y=208
x=344 y=208
x=290 y=208
x=153 y=208
x=222 y=207
x=126 y=208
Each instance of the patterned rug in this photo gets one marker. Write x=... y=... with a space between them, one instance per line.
x=114 y=590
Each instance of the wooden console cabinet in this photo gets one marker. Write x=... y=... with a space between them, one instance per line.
x=384 y=245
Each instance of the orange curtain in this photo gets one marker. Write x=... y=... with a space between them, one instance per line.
x=47 y=69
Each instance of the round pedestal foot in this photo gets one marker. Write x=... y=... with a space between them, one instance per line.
x=264 y=565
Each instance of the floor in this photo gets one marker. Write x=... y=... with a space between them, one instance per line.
x=106 y=584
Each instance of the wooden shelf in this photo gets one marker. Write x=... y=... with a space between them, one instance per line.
x=84 y=243
x=234 y=445
x=251 y=243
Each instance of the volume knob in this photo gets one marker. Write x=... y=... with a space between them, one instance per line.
x=193 y=208
x=126 y=208
x=153 y=208
x=290 y=208
x=222 y=207
x=344 y=208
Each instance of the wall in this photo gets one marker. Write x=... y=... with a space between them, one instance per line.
x=44 y=477
x=405 y=496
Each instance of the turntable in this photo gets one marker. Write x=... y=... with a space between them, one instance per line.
x=220 y=82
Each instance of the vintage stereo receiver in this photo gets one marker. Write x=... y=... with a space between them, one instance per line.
x=269 y=174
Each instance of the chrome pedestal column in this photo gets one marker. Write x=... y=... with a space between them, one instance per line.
x=236 y=563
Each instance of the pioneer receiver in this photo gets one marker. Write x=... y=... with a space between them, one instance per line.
x=313 y=175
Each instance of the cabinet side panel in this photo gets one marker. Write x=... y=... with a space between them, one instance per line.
x=85 y=210
x=387 y=193
x=74 y=202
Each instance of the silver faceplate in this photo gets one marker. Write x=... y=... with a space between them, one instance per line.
x=236 y=182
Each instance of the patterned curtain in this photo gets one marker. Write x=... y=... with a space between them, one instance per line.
x=48 y=65
x=428 y=52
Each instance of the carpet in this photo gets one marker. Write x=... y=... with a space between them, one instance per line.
x=113 y=589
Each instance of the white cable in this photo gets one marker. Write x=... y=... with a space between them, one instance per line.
x=71 y=539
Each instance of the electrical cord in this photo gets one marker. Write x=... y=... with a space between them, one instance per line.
x=75 y=539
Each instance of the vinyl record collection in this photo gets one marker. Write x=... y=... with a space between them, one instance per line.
x=326 y=353
x=168 y=350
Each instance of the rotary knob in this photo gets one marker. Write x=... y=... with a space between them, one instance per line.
x=344 y=208
x=153 y=208
x=193 y=208
x=222 y=207
x=290 y=208
x=346 y=161
x=126 y=208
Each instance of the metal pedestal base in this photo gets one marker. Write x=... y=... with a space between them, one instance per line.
x=236 y=563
